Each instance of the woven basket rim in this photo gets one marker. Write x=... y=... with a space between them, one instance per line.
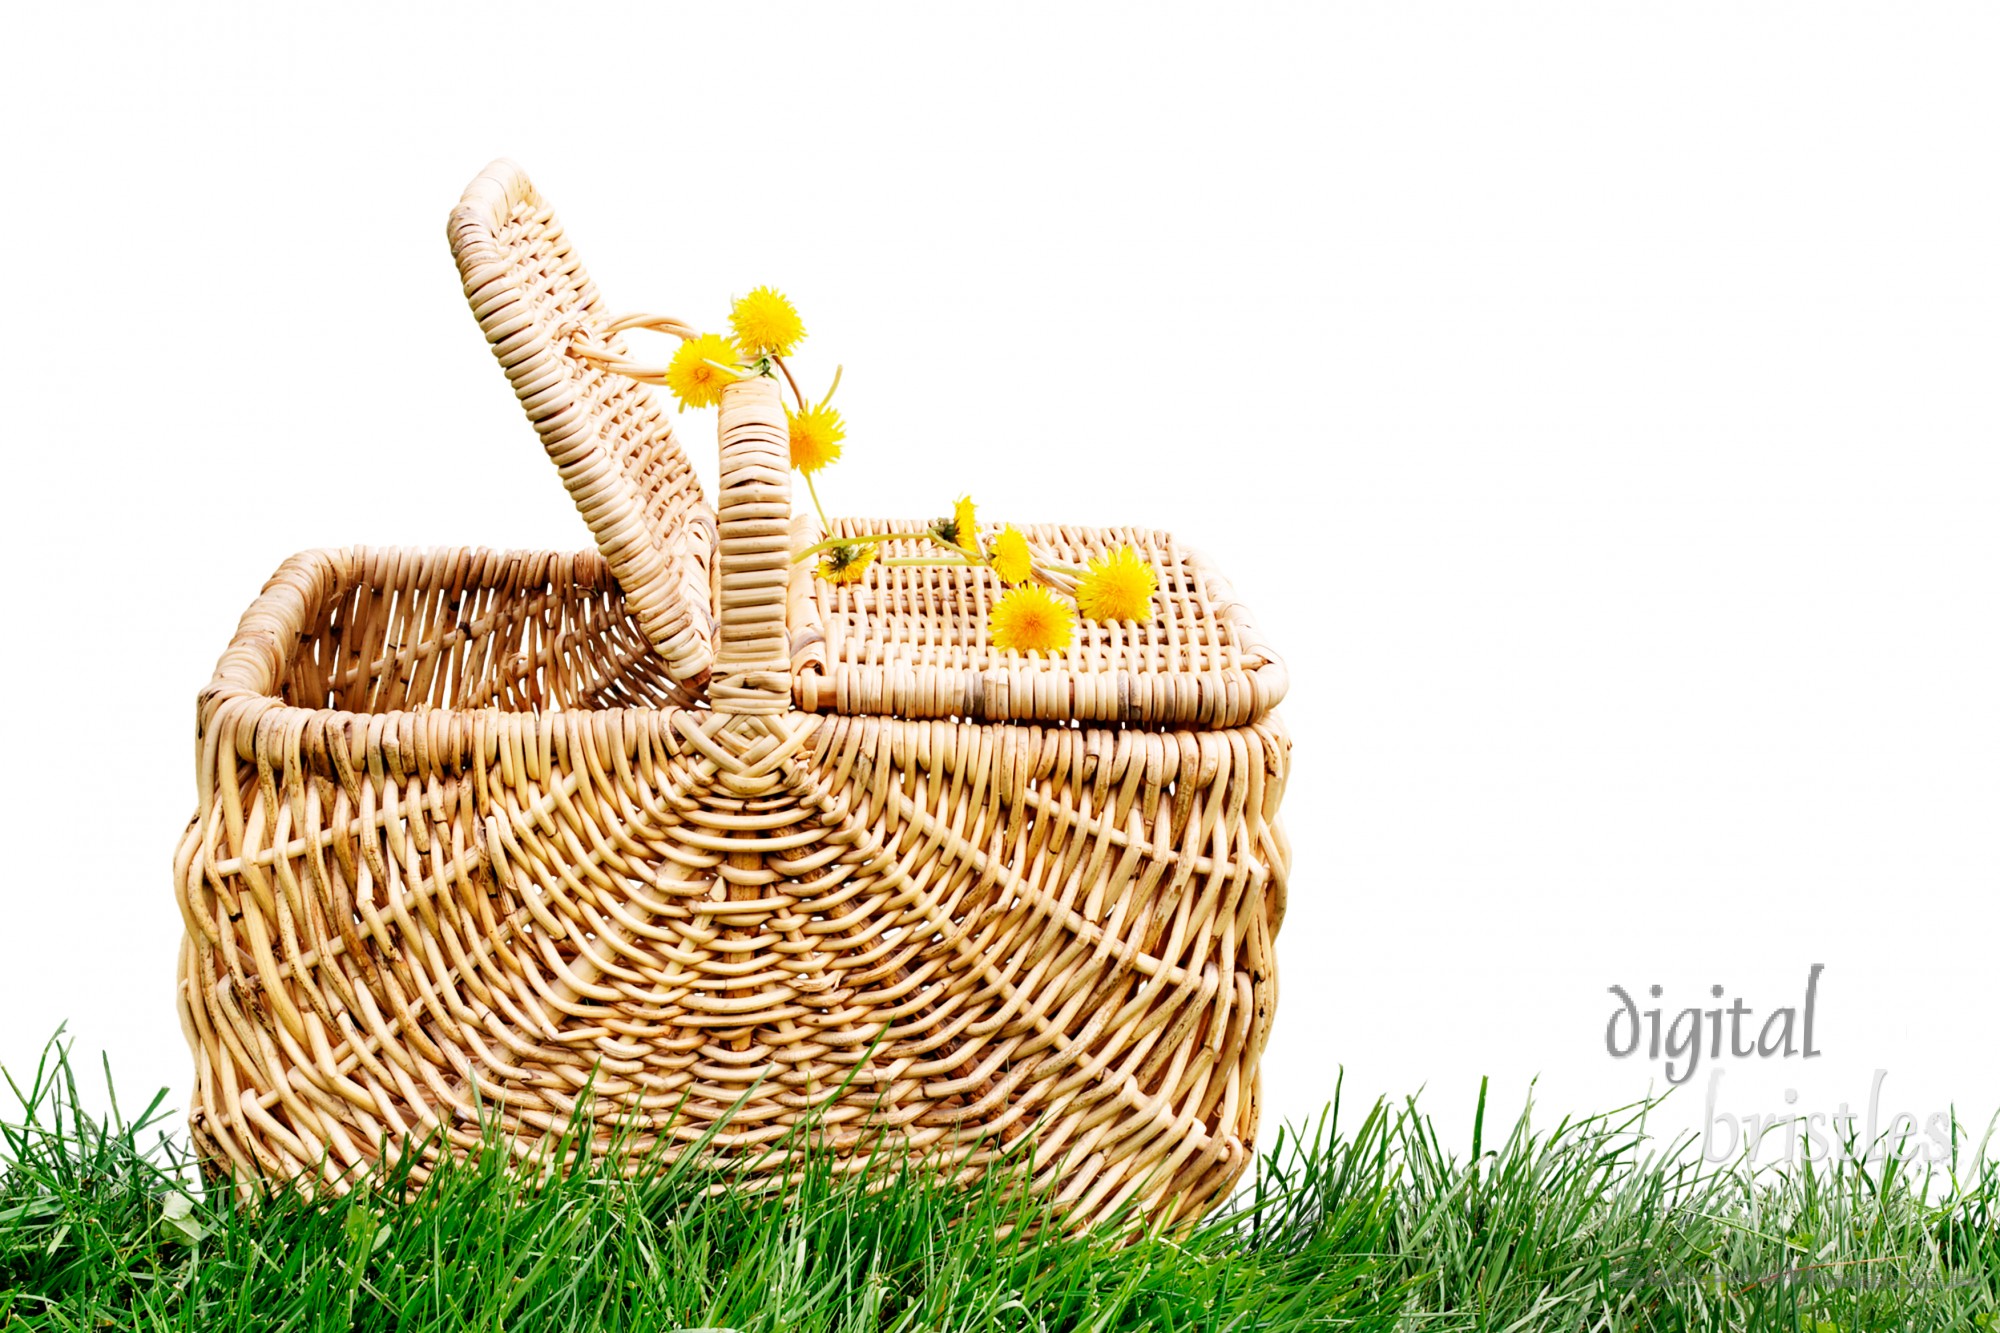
x=243 y=689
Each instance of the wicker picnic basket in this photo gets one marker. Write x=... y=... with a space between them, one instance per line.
x=674 y=832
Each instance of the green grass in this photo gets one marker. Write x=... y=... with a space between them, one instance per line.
x=1372 y=1224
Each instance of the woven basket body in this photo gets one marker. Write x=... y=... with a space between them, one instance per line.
x=476 y=849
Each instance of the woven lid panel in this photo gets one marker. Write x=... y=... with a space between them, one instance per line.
x=606 y=434
x=916 y=642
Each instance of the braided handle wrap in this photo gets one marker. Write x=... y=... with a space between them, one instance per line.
x=753 y=669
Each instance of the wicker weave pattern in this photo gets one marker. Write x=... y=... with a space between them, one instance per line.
x=405 y=890
x=605 y=433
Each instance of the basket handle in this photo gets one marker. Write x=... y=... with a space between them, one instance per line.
x=753 y=666
x=587 y=344
x=752 y=672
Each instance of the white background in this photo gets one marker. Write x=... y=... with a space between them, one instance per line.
x=1596 y=403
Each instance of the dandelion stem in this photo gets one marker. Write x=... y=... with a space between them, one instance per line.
x=813 y=491
x=830 y=388
x=797 y=397
x=832 y=542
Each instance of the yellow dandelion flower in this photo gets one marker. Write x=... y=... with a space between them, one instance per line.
x=847 y=562
x=960 y=528
x=966 y=521
x=694 y=380
x=816 y=436
x=1011 y=560
x=1118 y=586
x=1031 y=619
x=766 y=323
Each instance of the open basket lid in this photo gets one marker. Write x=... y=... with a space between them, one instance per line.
x=605 y=433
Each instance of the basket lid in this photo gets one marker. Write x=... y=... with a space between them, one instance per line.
x=604 y=431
